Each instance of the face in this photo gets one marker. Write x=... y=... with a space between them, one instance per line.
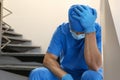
x=77 y=35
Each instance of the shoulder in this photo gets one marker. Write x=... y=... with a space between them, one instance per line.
x=63 y=28
x=61 y=32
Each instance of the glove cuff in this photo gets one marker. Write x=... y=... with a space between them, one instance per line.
x=90 y=29
x=67 y=77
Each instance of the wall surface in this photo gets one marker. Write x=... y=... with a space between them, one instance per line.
x=115 y=11
x=111 y=48
x=37 y=19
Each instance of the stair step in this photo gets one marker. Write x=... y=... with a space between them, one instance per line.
x=16 y=40
x=13 y=37
x=26 y=57
x=21 y=66
x=9 y=33
x=7 y=62
x=18 y=48
x=5 y=75
x=23 y=54
x=4 y=40
x=6 y=28
x=8 y=59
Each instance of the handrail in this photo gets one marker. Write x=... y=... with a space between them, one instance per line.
x=4 y=23
x=10 y=12
x=1 y=11
x=8 y=41
x=9 y=27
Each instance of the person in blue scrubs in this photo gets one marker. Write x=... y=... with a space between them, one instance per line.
x=78 y=46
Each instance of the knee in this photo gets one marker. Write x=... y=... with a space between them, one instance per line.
x=91 y=75
x=37 y=73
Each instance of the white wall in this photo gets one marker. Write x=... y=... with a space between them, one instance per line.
x=115 y=11
x=37 y=19
x=111 y=48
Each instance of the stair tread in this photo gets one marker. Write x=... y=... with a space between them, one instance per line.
x=22 y=54
x=11 y=62
x=13 y=38
x=12 y=33
x=4 y=27
x=5 y=75
x=7 y=59
x=20 y=48
x=20 y=45
x=19 y=66
x=21 y=63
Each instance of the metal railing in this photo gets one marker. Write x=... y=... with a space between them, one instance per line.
x=6 y=25
x=8 y=41
x=10 y=12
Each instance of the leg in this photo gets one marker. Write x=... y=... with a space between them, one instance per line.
x=42 y=74
x=91 y=75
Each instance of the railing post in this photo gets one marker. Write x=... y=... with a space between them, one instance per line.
x=1 y=9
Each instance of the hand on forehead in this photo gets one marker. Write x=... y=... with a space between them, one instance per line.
x=78 y=9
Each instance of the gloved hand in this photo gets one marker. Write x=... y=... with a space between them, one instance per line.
x=67 y=77
x=86 y=16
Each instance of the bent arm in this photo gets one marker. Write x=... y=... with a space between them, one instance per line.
x=50 y=61
x=92 y=54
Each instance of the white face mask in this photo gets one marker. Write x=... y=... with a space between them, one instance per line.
x=77 y=37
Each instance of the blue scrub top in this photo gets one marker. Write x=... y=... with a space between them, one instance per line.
x=70 y=50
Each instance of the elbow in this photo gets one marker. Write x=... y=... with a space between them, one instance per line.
x=49 y=60
x=95 y=66
x=45 y=62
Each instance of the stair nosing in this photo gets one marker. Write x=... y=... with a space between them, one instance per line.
x=21 y=54
x=18 y=39
x=18 y=67
x=12 y=33
x=7 y=28
x=17 y=45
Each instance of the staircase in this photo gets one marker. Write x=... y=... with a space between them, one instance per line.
x=17 y=55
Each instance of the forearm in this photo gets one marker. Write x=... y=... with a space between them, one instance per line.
x=92 y=53
x=54 y=66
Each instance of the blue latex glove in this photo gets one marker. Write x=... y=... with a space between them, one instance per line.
x=86 y=16
x=67 y=77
